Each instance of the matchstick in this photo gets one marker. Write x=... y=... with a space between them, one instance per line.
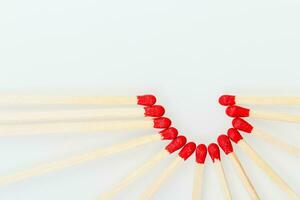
x=244 y=126
x=229 y=100
x=201 y=152
x=168 y=134
x=80 y=127
x=184 y=154
x=59 y=115
x=238 y=111
x=226 y=146
x=145 y=100
x=175 y=145
x=236 y=137
x=214 y=152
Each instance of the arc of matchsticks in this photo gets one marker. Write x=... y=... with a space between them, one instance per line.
x=94 y=126
x=175 y=145
x=168 y=134
x=229 y=100
x=226 y=146
x=238 y=111
x=25 y=117
x=244 y=126
x=184 y=154
x=201 y=152
x=145 y=100
x=236 y=137
x=214 y=152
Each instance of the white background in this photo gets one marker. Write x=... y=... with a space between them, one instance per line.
x=186 y=52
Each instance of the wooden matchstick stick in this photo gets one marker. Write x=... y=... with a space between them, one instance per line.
x=238 y=111
x=201 y=152
x=236 y=137
x=79 y=127
x=184 y=154
x=89 y=156
x=145 y=100
x=226 y=146
x=229 y=100
x=59 y=115
x=214 y=152
x=175 y=145
x=243 y=125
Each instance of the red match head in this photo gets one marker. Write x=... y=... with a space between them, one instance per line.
x=169 y=133
x=176 y=144
x=154 y=111
x=242 y=125
x=225 y=144
x=227 y=100
x=146 y=100
x=237 y=111
x=201 y=152
x=214 y=151
x=187 y=150
x=234 y=135
x=161 y=122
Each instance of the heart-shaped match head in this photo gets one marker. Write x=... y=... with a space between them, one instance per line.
x=161 y=122
x=214 y=152
x=227 y=100
x=187 y=150
x=225 y=144
x=237 y=111
x=169 y=133
x=234 y=135
x=154 y=111
x=146 y=100
x=176 y=144
x=201 y=152
x=242 y=125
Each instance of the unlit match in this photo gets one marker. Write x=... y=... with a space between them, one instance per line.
x=229 y=100
x=226 y=146
x=184 y=154
x=236 y=137
x=243 y=125
x=89 y=156
x=175 y=145
x=214 y=152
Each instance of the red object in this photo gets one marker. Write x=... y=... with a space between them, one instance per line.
x=234 y=135
x=146 y=100
x=154 y=111
x=242 y=125
x=225 y=144
x=237 y=111
x=214 y=151
x=169 y=133
x=161 y=122
x=176 y=144
x=187 y=150
x=227 y=100
x=201 y=152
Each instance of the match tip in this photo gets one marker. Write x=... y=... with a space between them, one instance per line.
x=201 y=152
x=154 y=111
x=161 y=122
x=242 y=125
x=234 y=135
x=214 y=151
x=169 y=133
x=237 y=111
x=176 y=144
x=225 y=144
x=187 y=150
x=146 y=100
x=227 y=100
